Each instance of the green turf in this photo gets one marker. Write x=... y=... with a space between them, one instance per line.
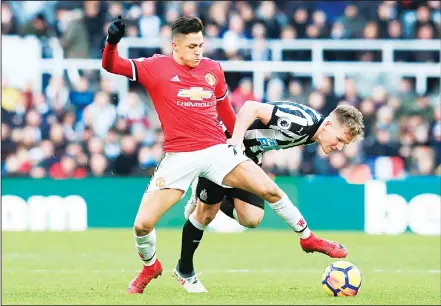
x=256 y=267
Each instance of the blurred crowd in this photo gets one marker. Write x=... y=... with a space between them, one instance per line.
x=81 y=26
x=84 y=129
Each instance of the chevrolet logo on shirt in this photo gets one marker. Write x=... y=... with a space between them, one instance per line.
x=195 y=93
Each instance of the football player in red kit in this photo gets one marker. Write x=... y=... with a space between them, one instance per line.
x=189 y=93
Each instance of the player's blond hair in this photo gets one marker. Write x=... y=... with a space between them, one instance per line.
x=350 y=118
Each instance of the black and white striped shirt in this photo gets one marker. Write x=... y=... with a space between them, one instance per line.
x=291 y=124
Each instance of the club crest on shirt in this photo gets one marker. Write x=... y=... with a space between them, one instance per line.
x=284 y=123
x=160 y=182
x=211 y=80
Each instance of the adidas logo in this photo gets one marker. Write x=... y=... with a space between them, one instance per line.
x=175 y=79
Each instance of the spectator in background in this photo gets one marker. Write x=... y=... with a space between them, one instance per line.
x=134 y=110
x=288 y=33
x=75 y=149
x=190 y=8
x=242 y=93
x=8 y=146
x=94 y=17
x=218 y=15
x=57 y=93
x=338 y=31
x=81 y=96
x=147 y=161
x=370 y=31
x=11 y=167
x=48 y=157
x=406 y=95
x=312 y=31
x=98 y=166
x=317 y=101
x=296 y=92
x=424 y=19
x=385 y=118
x=319 y=21
x=127 y=161
x=394 y=31
x=260 y=52
x=266 y=13
x=350 y=95
x=149 y=22
x=352 y=22
x=56 y=136
x=381 y=144
x=422 y=161
x=38 y=26
x=379 y=96
x=114 y=9
x=100 y=115
x=426 y=32
x=9 y=21
x=326 y=88
x=384 y=12
x=75 y=39
x=106 y=85
x=233 y=35
x=321 y=162
x=246 y=12
x=38 y=172
x=275 y=90
x=67 y=168
x=112 y=146
x=337 y=163
x=300 y=21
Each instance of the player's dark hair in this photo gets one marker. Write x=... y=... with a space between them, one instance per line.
x=186 y=25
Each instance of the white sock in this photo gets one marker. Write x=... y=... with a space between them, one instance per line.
x=195 y=223
x=146 y=246
x=291 y=215
x=235 y=215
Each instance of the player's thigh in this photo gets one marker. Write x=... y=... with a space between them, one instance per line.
x=220 y=160
x=155 y=204
x=175 y=171
x=249 y=207
x=250 y=177
x=209 y=192
x=210 y=196
x=171 y=179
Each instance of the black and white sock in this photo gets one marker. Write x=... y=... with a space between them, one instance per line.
x=191 y=236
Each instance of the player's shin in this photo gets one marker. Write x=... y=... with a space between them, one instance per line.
x=191 y=236
x=146 y=246
x=291 y=215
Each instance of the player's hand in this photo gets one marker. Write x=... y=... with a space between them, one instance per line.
x=116 y=31
x=237 y=145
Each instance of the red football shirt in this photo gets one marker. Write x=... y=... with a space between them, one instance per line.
x=185 y=100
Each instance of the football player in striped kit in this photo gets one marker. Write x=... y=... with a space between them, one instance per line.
x=261 y=127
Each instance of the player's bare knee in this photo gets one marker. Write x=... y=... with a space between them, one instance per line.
x=252 y=221
x=204 y=217
x=270 y=192
x=142 y=228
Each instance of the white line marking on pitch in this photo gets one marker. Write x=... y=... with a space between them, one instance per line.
x=210 y=271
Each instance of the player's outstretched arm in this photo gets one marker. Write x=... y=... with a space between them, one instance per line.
x=226 y=113
x=111 y=60
x=246 y=116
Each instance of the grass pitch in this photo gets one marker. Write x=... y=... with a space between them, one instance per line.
x=255 y=267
